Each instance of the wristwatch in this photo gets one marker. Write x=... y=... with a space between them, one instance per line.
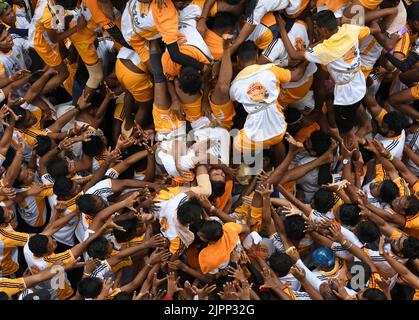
x=345 y=161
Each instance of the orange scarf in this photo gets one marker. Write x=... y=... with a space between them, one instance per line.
x=221 y=202
x=215 y=254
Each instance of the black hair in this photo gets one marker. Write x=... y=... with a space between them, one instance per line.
x=98 y=248
x=413 y=11
x=90 y=287
x=294 y=227
x=368 y=232
x=123 y=296
x=19 y=111
x=62 y=187
x=396 y=121
x=349 y=214
x=323 y=200
x=374 y=294
x=247 y=51
x=57 y=167
x=250 y=7
x=38 y=244
x=2 y=27
x=190 y=80
x=2 y=218
x=292 y=115
x=281 y=263
x=212 y=230
x=412 y=206
x=44 y=144
x=232 y=2
x=411 y=248
x=3 y=295
x=86 y=203
x=224 y=21
x=389 y=191
x=130 y=226
x=320 y=142
x=326 y=19
x=189 y=211
x=94 y=147
x=218 y=188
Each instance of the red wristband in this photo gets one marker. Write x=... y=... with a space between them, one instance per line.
x=263 y=289
x=167 y=298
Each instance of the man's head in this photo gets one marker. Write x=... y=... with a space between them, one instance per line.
x=385 y=191
x=247 y=54
x=94 y=147
x=181 y=4
x=90 y=287
x=413 y=16
x=323 y=201
x=218 y=182
x=406 y=205
x=210 y=231
x=100 y=248
x=393 y=124
x=190 y=80
x=371 y=294
x=294 y=227
x=325 y=24
x=130 y=229
x=6 y=40
x=349 y=214
x=42 y=245
x=90 y=203
x=25 y=177
x=368 y=232
x=58 y=167
x=317 y=143
x=7 y=16
x=294 y=118
x=64 y=188
x=43 y=145
x=27 y=119
x=6 y=215
x=189 y=212
x=224 y=22
x=406 y=246
x=281 y=263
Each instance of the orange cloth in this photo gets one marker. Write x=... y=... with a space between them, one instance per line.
x=215 y=254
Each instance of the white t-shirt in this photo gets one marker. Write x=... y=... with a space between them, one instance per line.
x=265 y=6
x=350 y=85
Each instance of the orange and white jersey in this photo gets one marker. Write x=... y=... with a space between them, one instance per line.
x=257 y=87
x=350 y=85
x=262 y=36
x=265 y=6
x=370 y=51
x=94 y=16
x=296 y=7
x=37 y=264
x=167 y=213
x=144 y=21
x=191 y=13
x=41 y=20
x=189 y=36
x=277 y=54
x=9 y=241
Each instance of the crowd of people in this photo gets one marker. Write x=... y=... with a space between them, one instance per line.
x=209 y=150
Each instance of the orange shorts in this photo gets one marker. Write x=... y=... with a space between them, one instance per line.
x=223 y=112
x=50 y=55
x=140 y=85
x=242 y=143
x=193 y=110
x=84 y=42
x=164 y=120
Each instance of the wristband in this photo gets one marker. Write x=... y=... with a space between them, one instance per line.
x=212 y=208
x=77 y=107
x=167 y=298
x=202 y=18
x=86 y=274
x=149 y=265
x=59 y=148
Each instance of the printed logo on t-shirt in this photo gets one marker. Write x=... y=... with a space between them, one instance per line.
x=257 y=92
